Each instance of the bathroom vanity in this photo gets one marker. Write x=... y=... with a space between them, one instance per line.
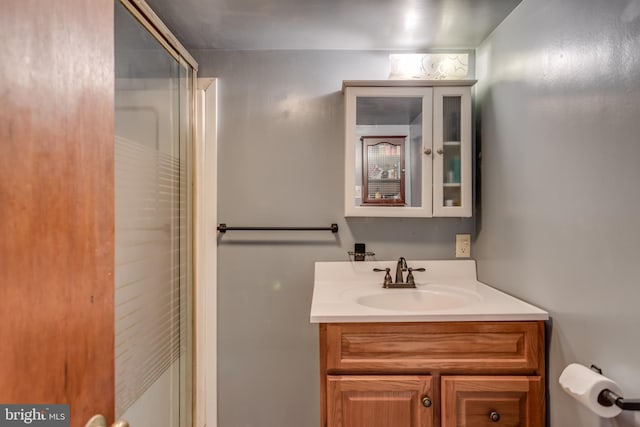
x=452 y=352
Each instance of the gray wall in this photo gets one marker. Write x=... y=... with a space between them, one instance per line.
x=281 y=164
x=559 y=104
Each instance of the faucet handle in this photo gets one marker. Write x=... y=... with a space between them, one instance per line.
x=387 y=277
x=410 y=279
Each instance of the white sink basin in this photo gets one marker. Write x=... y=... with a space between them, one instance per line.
x=417 y=299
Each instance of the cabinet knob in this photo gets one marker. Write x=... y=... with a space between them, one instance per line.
x=426 y=402
x=427 y=151
x=494 y=416
x=440 y=151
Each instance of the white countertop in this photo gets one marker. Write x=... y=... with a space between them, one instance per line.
x=338 y=286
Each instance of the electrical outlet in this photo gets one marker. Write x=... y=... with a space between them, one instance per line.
x=463 y=245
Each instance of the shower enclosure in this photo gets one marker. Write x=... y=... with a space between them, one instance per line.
x=154 y=122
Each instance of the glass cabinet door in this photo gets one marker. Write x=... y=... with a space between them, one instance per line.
x=452 y=144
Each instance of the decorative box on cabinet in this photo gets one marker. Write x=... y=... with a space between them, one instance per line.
x=440 y=374
x=435 y=119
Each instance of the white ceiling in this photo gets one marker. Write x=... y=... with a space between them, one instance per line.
x=332 y=24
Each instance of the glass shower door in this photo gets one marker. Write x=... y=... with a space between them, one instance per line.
x=153 y=274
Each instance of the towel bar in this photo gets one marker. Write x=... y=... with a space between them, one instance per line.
x=223 y=228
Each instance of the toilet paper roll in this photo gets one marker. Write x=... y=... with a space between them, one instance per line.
x=585 y=385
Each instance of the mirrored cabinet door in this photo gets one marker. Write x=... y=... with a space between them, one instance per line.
x=388 y=167
x=452 y=186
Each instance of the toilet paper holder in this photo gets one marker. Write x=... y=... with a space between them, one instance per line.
x=609 y=398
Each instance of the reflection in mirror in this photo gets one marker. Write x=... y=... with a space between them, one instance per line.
x=388 y=151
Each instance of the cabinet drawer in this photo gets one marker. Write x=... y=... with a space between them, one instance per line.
x=454 y=347
x=473 y=401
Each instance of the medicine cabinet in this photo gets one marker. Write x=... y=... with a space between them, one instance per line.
x=408 y=148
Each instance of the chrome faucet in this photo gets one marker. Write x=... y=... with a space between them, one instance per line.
x=400 y=267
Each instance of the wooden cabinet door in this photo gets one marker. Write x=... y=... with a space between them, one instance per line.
x=379 y=401
x=485 y=401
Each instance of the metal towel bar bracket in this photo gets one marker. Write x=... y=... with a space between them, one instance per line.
x=223 y=228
